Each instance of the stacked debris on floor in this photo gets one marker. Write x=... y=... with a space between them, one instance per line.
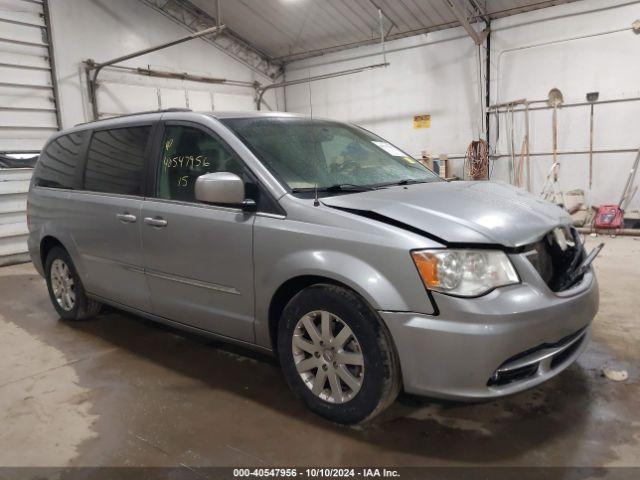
x=575 y=203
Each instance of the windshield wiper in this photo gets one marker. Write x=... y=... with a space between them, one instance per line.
x=339 y=187
x=347 y=187
x=407 y=181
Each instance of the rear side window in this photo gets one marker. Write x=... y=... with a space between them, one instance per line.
x=115 y=161
x=59 y=161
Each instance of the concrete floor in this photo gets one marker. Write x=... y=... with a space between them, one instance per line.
x=119 y=390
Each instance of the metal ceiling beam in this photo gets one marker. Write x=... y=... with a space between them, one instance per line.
x=461 y=15
x=391 y=22
x=193 y=18
x=480 y=11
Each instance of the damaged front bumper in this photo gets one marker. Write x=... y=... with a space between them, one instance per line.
x=509 y=340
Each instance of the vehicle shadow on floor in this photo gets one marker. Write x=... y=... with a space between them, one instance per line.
x=470 y=433
x=437 y=432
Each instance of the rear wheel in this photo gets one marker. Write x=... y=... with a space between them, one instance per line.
x=337 y=355
x=65 y=288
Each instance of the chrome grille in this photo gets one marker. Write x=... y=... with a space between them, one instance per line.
x=537 y=360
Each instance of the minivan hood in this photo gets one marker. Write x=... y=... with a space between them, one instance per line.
x=460 y=212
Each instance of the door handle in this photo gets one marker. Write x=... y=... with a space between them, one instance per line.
x=155 y=222
x=126 y=217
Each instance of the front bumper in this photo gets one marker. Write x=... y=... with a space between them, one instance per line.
x=504 y=342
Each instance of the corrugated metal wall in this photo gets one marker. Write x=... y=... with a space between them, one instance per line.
x=14 y=184
x=28 y=111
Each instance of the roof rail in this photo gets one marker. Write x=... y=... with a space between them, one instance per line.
x=164 y=110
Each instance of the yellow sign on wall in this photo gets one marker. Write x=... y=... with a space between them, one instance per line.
x=421 y=121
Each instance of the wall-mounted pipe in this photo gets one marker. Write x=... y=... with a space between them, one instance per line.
x=139 y=53
x=97 y=67
x=497 y=108
x=487 y=88
x=526 y=108
x=262 y=90
x=625 y=232
x=460 y=156
x=544 y=44
x=569 y=152
x=185 y=76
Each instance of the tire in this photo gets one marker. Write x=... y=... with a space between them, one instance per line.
x=364 y=390
x=76 y=306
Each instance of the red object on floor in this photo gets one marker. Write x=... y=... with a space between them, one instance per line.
x=609 y=216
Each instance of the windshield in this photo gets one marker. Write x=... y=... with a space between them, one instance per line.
x=306 y=154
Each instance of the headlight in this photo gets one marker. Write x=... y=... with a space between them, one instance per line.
x=467 y=273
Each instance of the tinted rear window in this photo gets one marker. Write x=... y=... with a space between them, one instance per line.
x=115 y=162
x=59 y=161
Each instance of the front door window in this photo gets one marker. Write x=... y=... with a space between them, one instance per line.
x=187 y=153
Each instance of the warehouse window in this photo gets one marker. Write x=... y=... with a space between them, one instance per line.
x=58 y=162
x=115 y=162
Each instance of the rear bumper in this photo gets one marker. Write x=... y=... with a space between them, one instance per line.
x=34 y=252
x=507 y=341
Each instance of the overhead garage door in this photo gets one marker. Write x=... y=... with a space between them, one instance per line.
x=117 y=97
x=28 y=106
x=28 y=111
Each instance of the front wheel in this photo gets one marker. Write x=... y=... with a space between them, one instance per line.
x=337 y=355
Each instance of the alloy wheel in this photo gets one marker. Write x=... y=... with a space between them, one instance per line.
x=328 y=357
x=63 y=285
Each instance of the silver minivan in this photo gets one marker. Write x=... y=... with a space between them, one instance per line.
x=318 y=241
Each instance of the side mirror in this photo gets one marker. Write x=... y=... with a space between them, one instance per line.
x=220 y=187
